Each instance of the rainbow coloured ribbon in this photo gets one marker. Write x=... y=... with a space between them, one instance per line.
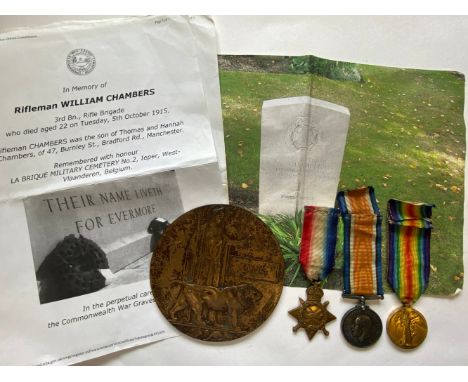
x=362 y=247
x=409 y=234
x=317 y=253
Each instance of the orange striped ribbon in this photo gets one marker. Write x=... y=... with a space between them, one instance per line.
x=362 y=242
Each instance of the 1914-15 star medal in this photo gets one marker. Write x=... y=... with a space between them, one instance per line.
x=312 y=315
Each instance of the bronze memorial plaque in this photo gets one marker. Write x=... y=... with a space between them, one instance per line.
x=217 y=273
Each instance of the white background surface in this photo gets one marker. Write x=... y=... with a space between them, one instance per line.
x=418 y=42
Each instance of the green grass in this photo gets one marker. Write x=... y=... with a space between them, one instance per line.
x=406 y=138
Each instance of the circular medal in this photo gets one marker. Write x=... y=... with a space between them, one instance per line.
x=217 y=273
x=406 y=327
x=361 y=326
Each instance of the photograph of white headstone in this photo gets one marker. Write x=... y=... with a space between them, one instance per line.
x=302 y=146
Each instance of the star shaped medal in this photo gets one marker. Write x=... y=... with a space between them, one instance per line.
x=317 y=258
x=312 y=315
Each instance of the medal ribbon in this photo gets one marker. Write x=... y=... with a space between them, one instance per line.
x=362 y=242
x=318 y=241
x=409 y=235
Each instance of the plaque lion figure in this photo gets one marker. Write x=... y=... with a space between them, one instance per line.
x=221 y=306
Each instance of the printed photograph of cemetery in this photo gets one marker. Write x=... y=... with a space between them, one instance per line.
x=406 y=137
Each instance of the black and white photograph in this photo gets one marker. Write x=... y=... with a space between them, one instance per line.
x=91 y=238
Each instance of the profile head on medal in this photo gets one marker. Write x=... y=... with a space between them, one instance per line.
x=81 y=61
x=361 y=326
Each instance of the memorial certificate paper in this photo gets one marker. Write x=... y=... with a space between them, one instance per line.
x=110 y=130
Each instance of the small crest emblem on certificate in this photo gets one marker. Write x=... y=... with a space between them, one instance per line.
x=81 y=61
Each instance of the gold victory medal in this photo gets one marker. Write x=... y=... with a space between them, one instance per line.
x=406 y=327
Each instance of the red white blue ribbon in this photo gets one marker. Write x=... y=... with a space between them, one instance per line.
x=318 y=242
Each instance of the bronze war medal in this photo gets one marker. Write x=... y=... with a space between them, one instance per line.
x=362 y=265
x=317 y=257
x=361 y=326
x=217 y=273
